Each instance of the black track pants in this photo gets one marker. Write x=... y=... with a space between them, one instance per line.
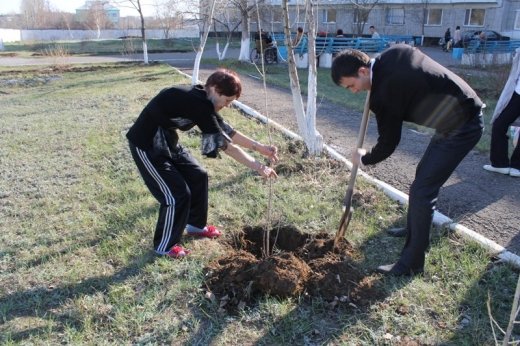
x=180 y=185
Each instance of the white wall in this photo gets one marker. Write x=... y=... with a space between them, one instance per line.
x=10 y=35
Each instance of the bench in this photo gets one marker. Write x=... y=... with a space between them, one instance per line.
x=514 y=44
x=368 y=45
x=328 y=46
x=371 y=45
x=484 y=53
x=302 y=46
x=340 y=43
x=494 y=47
x=279 y=38
x=323 y=45
x=476 y=46
x=391 y=39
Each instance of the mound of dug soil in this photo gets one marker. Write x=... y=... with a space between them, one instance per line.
x=300 y=265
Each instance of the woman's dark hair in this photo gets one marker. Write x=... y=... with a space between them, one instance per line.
x=226 y=82
x=339 y=32
x=347 y=64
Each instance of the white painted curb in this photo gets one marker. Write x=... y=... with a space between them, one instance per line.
x=439 y=219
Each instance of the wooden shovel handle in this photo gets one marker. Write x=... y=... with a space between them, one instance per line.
x=347 y=214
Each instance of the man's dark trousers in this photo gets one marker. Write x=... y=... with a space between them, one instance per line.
x=499 y=150
x=443 y=155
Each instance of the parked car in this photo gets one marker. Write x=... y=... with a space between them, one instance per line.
x=488 y=35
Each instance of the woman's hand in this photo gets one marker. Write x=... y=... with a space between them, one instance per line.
x=266 y=171
x=269 y=151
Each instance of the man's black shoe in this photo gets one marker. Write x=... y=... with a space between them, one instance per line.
x=397 y=232
x=398 y=269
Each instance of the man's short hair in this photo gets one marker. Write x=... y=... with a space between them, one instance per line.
x=347 y=64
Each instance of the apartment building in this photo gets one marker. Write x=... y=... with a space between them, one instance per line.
x=428 y=18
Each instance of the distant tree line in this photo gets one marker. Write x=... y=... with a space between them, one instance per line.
x=38 y=14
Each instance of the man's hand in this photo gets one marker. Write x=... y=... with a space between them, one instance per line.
x=357 y=154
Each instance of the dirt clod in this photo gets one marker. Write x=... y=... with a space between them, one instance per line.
x=299 y=265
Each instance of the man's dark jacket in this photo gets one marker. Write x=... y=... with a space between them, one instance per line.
x=407 y=85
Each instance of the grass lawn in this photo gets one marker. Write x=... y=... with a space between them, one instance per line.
x=106 y=47
x=76 y=259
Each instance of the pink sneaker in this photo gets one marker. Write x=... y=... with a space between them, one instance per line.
x=208 y=232
x=177 y=251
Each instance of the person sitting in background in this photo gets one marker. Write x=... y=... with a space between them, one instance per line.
x=339 y=33
x=373 y=31
x=298 y=37
x=482 y=37
x=265 y=37
x=506 y=112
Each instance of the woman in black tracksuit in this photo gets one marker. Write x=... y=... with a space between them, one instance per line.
x=171 y=174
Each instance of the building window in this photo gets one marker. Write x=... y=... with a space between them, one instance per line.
x=328 y=16
x=395 y=16
x=517 y=20
x=433 y=16
x=475 y=17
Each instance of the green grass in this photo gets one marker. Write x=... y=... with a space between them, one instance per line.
x=107 y=47
x=76 y=259
x=103 y=47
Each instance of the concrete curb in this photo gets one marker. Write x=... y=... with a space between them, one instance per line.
x=439 y=219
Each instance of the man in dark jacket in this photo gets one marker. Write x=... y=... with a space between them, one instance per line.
x=407 y=86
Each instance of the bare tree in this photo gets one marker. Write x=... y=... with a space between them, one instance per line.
x=230 y=23
x=246 y=9
x=423 y=17
x=306 y=119
x=207 y=12
x=136 y=4
x=169 y=16
x=96 y=17
x=34 y=13
x=362 y=9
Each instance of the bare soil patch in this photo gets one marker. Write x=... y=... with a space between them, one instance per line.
x=8 y=55
x=301 y=265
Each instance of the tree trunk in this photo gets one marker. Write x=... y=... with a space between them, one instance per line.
x=143 y=35
x=306 y=120
x=222 y=55
x=314 y=140
x=206 y=27
x=145 y=52
x=245 y=42
x=196 y=68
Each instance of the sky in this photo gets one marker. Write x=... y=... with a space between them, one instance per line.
x=13 y=6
